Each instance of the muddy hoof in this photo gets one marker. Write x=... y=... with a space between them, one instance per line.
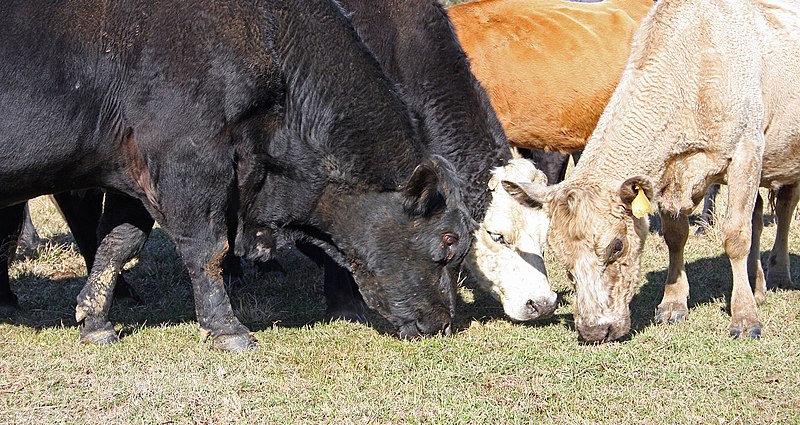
x=235 y=343
x=102 y=337
x=671 y=313
x=95 y=330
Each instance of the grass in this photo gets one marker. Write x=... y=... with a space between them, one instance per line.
x=307 y=370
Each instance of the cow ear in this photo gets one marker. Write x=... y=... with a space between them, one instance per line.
x=636 y=194
x=529 y=194
x=422 y=194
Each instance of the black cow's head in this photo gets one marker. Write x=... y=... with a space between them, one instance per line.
x=404 y=246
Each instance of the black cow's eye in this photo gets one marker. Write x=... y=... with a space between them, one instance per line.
x=497 y=237
x=449 y=241
x=614 y=250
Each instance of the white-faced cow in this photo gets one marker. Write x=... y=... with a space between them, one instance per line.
x=711 y=93
x=271 y=118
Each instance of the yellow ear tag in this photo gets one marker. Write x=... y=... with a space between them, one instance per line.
x=640 y=205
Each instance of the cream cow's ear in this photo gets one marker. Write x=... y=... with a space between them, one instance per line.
x=636 y=194
x=532 y=195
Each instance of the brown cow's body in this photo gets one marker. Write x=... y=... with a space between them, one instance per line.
x=549 y=66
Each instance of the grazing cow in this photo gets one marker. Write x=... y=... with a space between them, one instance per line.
x=270 y=121
x=415 y=44
x=711 y=93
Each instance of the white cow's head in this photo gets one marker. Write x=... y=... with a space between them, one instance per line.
x=506 y=257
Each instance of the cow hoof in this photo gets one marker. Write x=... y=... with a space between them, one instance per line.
x=271 y=268
x=744 y=327
x=778 y=281
x=671 y=313
x=7 y=310
x=701 y=231
x=234 y=343
x=97 y=331
x=349 y=316
x=103 y=337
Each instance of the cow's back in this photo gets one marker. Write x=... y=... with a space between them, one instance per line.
x=549 y=66
x=74 y=82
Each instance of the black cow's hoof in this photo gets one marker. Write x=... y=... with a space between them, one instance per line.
x=97 y=332
x=235 y=343
x=271 y=268
x=8 y=310
x=350 y=315
x=701 y=231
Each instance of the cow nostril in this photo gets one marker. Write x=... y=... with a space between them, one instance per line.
x=533 y=306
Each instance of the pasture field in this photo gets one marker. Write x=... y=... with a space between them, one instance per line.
x=307 y=370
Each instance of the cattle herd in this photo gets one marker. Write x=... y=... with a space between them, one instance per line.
x=388 y=141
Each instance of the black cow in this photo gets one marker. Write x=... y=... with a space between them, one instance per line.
x=267 y=121
x=414 y=42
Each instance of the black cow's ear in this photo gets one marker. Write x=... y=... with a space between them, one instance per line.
x=422 y=193
x=528 y=194
x=636 y=194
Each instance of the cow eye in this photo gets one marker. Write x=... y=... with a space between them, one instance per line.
x=614 y=250
x=448 y=242
x=497 y=237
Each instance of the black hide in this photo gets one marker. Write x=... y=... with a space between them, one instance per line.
x=270 y=118
x=418 y=50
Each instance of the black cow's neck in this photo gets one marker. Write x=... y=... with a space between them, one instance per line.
x=418 y=49
x=339 y=103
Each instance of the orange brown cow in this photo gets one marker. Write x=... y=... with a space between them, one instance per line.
x=549 y=66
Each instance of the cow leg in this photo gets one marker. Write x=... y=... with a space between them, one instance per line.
x=673 y=305
x=341 y=291
x=123 y=230
x=342 y=294
x=778 y=274
x=29 y=239
x=82 y=210
x=10 y=225
x=200 y=234
x=707 y=216
x=755 y=273
x=743 y=173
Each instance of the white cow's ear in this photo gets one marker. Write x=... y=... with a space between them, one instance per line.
x=636 y=194
x=532 y=195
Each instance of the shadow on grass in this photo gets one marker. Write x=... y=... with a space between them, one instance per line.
x=261 y=301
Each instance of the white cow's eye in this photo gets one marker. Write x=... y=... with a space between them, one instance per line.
x=497 y=237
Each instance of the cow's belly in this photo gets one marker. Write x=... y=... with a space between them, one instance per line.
x=781 y=163
x=41 y=153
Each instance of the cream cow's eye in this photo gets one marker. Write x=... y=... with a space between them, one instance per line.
x=497 y=237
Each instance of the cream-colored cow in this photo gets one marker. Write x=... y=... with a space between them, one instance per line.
x=711 y=93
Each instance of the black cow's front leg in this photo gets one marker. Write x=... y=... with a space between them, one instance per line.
x=123 y=230
x=10 y=225
x=212 y=305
